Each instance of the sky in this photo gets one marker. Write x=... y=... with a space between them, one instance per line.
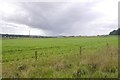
x=86 y=18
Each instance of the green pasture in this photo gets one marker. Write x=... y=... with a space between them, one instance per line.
x=60 y=57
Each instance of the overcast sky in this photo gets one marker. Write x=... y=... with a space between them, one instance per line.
x=88 y=17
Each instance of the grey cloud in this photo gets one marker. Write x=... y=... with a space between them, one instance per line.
x=56 y=18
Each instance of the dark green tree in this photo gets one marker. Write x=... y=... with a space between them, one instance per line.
x=115 y=32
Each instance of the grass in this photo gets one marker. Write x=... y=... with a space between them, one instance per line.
x=60 y=57
x=0 y=57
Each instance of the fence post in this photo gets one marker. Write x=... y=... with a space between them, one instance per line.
x=107 y=52
x=35 y=56
x=80 y=50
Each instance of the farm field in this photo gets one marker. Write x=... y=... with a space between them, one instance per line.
x=70 y=57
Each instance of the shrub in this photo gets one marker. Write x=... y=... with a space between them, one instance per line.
x=80 y=72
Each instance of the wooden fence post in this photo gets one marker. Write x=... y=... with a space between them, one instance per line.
x=80 y=50
x=35 y=56
x=107 y=51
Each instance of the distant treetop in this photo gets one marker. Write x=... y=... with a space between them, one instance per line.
x=115 y=32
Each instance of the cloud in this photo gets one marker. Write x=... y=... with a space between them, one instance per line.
x=64 y=18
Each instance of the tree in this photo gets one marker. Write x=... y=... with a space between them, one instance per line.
x=115 y=32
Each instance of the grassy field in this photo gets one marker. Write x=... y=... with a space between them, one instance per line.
x=0 y=57
x=60 y=57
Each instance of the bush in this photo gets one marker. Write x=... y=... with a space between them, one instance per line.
x=80 y=72
x=110 y=68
